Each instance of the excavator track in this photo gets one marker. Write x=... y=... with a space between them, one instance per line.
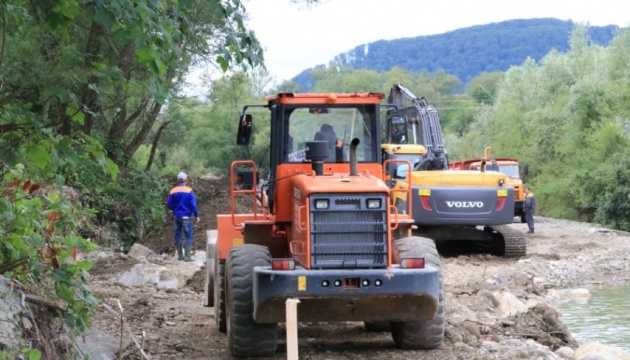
x=500 y=240
x=514 y=242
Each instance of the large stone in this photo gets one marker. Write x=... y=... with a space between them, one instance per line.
x=98 y=345
x=140 y=274
x=568 y=294
x=508 y=304
x=199 y=258
x=177 y=276
x=595 y=350
x=141 y=252
x=566 y=353
x=10 y=309
x=173 y=275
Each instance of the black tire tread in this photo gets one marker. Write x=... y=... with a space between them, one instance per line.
x=420 y=334
x=246 y=337
x=219 y=306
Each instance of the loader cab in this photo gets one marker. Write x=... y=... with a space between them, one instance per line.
x=330 y=121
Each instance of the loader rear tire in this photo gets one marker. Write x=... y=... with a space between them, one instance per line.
x=420 y=334
x=246 y=337
x=219 y=296
x=209 y=294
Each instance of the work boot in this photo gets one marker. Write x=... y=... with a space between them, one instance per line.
x=180 y=253
x=187 y=253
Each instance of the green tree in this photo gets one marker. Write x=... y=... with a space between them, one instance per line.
x=77 y=74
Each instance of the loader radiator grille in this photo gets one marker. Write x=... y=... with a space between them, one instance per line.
x=348 y=234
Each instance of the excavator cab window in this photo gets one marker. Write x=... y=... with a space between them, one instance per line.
x=397 y=129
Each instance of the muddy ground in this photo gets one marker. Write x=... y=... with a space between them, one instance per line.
x=561 y=255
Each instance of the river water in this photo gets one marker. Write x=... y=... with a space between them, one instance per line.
x=604 y=317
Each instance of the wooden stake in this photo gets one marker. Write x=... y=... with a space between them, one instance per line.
x=292 y=321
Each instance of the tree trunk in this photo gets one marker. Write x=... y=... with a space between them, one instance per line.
x=156 y=139
x=137 y=140
x=121 y=122
x=89 y=97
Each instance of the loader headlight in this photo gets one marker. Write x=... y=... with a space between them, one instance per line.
x=373 y=203
x=321 y=204
x=501 y=182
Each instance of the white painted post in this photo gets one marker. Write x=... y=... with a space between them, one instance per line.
x=292 y=338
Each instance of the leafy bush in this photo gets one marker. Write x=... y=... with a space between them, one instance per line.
x=40 y=244
x=133 y=205
x=614 y=203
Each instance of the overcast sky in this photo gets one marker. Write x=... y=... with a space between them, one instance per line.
x=296 y=37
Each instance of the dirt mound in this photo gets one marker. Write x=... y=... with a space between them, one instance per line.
x=541 y=323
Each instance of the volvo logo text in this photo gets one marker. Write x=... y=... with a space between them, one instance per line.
x=465 y=204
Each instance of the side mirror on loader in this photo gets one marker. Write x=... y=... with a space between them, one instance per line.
x=245 y=125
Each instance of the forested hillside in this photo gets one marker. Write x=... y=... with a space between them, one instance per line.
x=467 y=52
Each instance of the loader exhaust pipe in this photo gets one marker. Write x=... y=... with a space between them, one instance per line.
x=354 y=163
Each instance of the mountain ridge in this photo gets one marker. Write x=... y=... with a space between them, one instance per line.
x=466 y=52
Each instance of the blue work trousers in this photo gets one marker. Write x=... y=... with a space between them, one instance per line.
x=185 y=224
x=529 y=217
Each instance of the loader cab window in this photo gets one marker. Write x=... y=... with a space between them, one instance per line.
x=337 y=126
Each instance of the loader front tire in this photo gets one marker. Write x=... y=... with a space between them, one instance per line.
x=246 y=337
x=420 y=334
